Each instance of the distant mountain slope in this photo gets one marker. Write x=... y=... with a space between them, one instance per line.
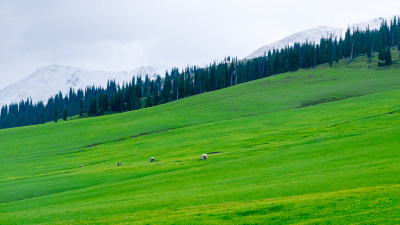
x=315 y=35
x=48 y=81
x=310 y=35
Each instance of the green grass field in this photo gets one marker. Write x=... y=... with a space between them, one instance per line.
x=318 y=146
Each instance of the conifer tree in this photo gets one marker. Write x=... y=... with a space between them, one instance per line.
x=388 y=57
x=212 y=83
x=181 y=89
x=330 y=53
x=382 y=57
x=221 y=74
x=65 y=114
x=149 y=102
x=347 y=43
x=81 y=109
x=92 y=107
x=166 y=92
x=101 y=111
x=139 y=87
x=56 y=115
x=176 y=87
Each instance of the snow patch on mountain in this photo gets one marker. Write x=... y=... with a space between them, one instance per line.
x=310 y=35
x=372 y=24
x=315 y=35
x=50 y=80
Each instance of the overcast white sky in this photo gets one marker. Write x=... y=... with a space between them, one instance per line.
x=117 y=35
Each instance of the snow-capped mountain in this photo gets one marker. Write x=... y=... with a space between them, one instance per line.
x=310 y=35
x=372 y=24
x=315 y=35
x=48 y=81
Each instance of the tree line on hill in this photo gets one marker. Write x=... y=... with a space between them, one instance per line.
x=139 y=93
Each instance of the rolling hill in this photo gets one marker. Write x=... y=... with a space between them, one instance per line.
x=312 y=147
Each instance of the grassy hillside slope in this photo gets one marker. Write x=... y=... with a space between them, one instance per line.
x=315 y=146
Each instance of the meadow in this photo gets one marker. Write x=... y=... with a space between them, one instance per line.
x=317 y=146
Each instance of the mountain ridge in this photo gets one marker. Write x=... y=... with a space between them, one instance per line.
x=50 y=80
x=315 y=34
x=42 y=83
